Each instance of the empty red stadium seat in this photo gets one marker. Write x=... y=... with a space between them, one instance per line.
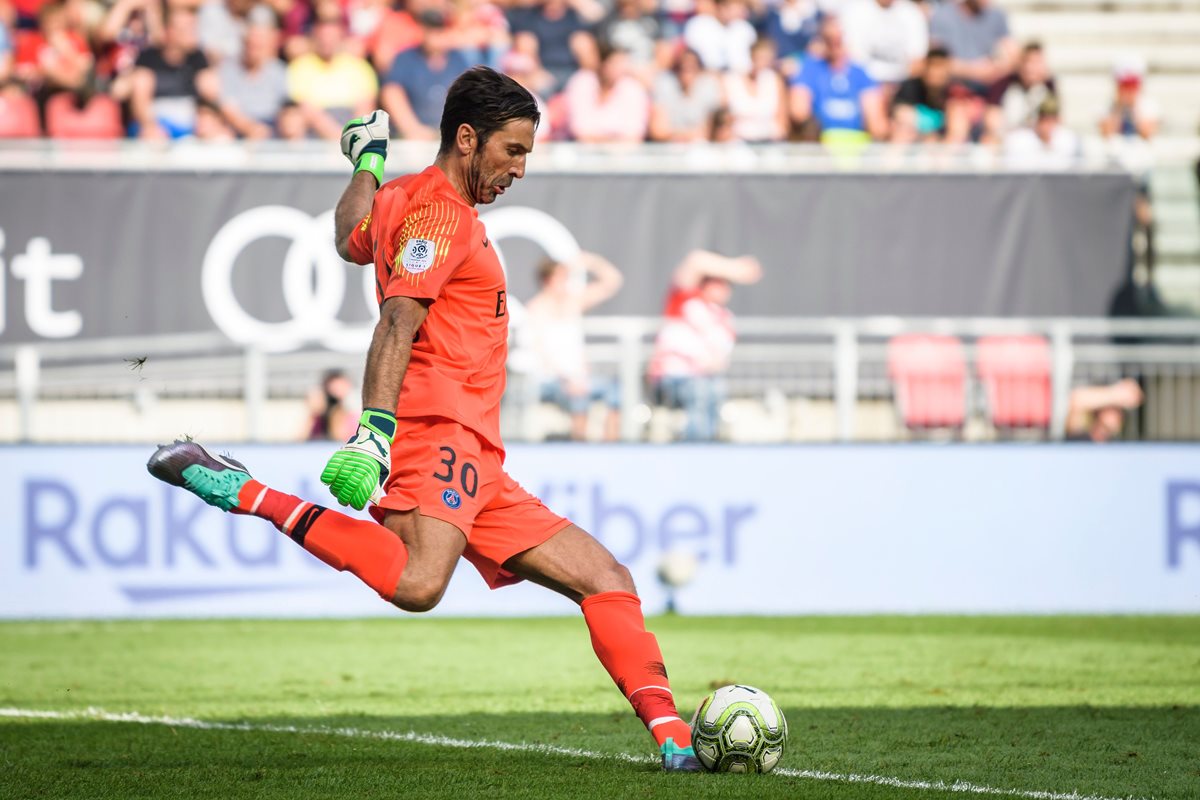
x=1015 y=371
x=18 y=116
x=930 y=377
x=100 y=118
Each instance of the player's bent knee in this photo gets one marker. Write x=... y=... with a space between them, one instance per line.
x=418 y=597
x=616 y=578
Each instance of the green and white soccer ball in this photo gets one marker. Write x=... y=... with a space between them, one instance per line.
x=738 y=729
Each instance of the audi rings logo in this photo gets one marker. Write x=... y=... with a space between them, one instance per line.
x=314 y=276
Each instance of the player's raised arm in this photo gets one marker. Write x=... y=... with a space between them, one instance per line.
x=364 y=143
x=360 y=467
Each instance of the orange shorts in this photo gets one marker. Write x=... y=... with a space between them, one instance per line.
x=449 y=473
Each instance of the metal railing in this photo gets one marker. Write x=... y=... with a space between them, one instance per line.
x=575 y=158
x=782 y=370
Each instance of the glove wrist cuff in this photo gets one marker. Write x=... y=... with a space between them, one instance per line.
x=380 y=421
x=372 y=163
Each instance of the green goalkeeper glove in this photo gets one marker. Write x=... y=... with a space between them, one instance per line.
x=357 y=472
x=365 y=143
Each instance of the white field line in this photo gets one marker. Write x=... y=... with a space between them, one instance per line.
x=99 y=715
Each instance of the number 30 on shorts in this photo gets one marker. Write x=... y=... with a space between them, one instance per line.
x=468 y=476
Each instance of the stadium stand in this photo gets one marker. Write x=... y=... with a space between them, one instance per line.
x=773 y=398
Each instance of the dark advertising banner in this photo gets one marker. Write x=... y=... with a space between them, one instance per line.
x=105 y=254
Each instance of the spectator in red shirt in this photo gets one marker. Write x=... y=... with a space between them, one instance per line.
x=696 y=340
x=396 y=30
x=57 y=57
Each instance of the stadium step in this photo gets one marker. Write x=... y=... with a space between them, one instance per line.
x=1099 y=6
x=1179 y=286
x=1087 y=96
x=1123 y=28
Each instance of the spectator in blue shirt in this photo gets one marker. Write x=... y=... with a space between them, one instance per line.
x=834 y=97
x=414 y=90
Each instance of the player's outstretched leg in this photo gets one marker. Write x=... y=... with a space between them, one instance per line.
x=577 y=566
x=633 y=658
x=371 y=552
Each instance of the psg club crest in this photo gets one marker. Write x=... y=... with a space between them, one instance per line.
x=451 y=498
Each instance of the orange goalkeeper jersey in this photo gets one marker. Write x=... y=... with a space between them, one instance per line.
x=426 y=242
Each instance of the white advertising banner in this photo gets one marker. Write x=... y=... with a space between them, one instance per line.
x=777 y=530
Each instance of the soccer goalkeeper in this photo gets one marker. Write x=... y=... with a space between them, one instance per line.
x=427 y=452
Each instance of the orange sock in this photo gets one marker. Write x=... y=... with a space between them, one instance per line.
x=631 y=655
x=367 y=550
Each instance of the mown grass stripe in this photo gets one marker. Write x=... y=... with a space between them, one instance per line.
x=412 y=737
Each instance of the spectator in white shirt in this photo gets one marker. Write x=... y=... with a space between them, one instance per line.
x=553 y=333
x=1046 y=146
x=721 y=34
x=887 y=36
x=757 y=100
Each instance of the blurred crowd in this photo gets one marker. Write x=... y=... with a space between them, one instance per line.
x=838 y=71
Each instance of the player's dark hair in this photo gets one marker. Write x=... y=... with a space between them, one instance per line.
x=487 y=101
x=937 y=53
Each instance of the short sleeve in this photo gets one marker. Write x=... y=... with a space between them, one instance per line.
x=361 y=243
x=908 y=94
x=146 y=58
x=520 y=19
x=398 y=71
x=433 y=242
x=939 y=30
x=805 y=76
x=1002 y=30
x=863 y=80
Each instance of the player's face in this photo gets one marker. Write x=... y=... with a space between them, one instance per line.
x=501 y=160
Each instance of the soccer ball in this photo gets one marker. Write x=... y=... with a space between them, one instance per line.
x=738 y=729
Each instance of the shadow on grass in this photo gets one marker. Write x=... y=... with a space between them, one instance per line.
x=1110 y=752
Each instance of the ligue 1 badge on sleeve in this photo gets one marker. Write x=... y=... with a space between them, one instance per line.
x=418 y=255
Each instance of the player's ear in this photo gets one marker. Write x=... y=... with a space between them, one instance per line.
x=467 y=140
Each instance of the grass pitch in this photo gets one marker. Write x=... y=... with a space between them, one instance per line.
x=1106 y=707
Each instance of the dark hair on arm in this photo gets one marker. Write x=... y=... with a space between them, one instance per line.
x=487 y=101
